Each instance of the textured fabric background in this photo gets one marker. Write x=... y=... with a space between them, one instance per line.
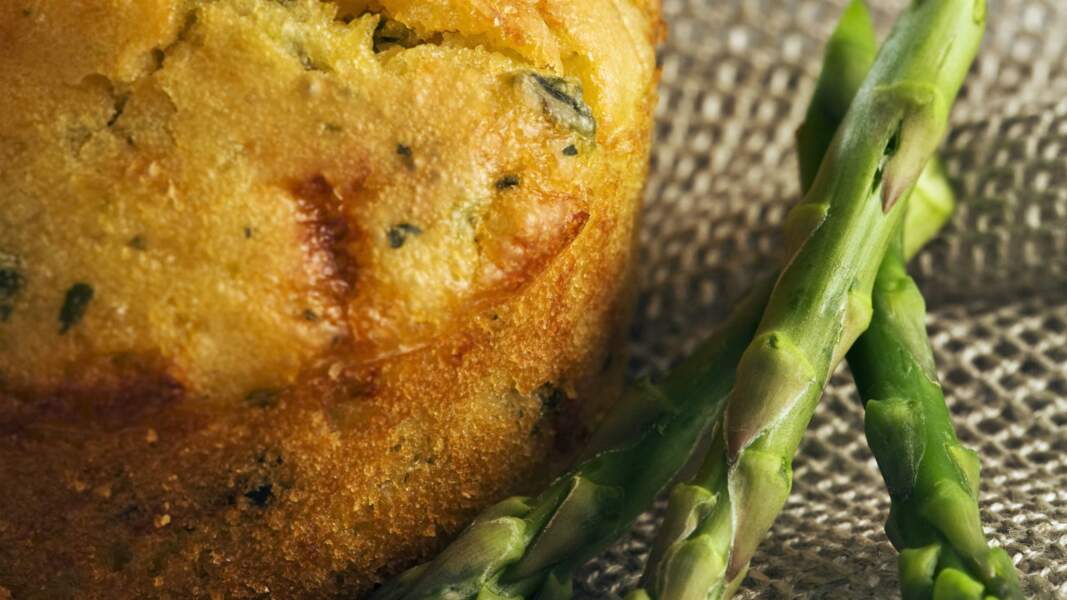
x=737 y=75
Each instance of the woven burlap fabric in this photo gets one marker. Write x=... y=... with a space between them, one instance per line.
x=737 y=75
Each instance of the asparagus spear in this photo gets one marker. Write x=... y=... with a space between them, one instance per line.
x=933 y=480
x=821 y=302
x=688 y=555
x=931 y=477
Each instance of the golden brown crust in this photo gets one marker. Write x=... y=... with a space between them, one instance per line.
x=344 y=287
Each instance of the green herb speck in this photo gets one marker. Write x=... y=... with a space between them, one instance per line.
x=248 y=232
x=119 y=555
x=332 y=127
x=260 y=495
x=262 y=398
x=390 y=33
x=398 y=234
x=551 y=398
x=306 y=61
x=75 y=303
x=561 y=100
x=138 y=242
x=11 y=282
x=120 y=105
x=571 y=150
x=404 y=152
x=507 y=181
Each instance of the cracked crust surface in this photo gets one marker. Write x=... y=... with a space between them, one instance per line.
x=289 y=289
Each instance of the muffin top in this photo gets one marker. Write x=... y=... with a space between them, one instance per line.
x=219 y=197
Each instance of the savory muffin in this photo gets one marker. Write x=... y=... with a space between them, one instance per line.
x=290 y=288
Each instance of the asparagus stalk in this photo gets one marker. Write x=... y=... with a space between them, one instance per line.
x=675 y=567
x=909 y=429
x=821 y=302
x=932 y=479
